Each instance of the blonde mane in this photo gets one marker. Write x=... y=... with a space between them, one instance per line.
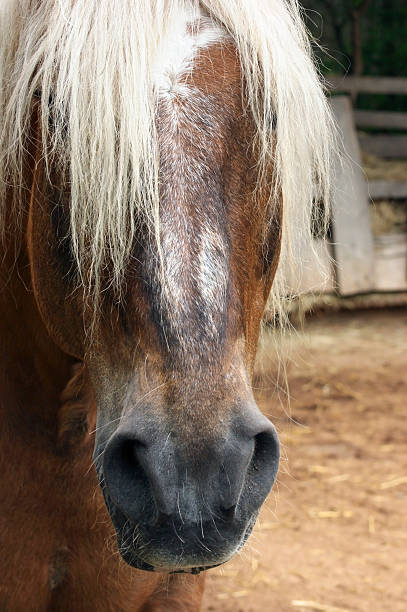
x=95 y=62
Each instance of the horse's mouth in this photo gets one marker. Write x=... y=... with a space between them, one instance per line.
x=134 y=560
x=133 y=552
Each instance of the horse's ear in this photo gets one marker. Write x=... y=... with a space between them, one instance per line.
x=59 y=303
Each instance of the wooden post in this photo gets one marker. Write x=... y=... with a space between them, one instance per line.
x=353 y=239
x=370 y=85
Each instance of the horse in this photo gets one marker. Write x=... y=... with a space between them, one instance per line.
x=159 y=161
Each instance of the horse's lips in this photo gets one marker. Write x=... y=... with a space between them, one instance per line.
x=130 y=556
x=142 y=565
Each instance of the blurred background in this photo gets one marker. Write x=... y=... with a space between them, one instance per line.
x=333 y=535
x=361 y=37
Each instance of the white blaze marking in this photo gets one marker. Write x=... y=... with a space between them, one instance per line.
x=212 y=274
x=195 y=267
x=191 y=31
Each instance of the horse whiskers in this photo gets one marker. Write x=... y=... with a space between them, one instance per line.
x=95 y=461
x=210 y=510
x=216 y=528
x=179 y=509
x=121 y=419
x=147 y=394
x=200 y=520
x=125 y=415
x=176 y=532
x=104 y=425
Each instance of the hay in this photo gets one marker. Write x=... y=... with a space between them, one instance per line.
x=329 y=514
x=396 y=482
x=388 y=217
x=382 y=169
x=318 y=607
x=339 y=478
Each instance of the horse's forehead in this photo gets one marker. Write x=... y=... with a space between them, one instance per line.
x=194 y=54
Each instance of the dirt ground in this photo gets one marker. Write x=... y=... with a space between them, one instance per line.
x=333 y=534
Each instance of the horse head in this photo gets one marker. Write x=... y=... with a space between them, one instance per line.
x=166 y=316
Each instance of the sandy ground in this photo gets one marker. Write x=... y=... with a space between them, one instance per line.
x=333 y=534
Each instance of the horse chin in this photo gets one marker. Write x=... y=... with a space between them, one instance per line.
x=132 y=559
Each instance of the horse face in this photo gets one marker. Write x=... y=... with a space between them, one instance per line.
x=184 y=457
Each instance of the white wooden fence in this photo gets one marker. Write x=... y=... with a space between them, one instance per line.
x=356 y=262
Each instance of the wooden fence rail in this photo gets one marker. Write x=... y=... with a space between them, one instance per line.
x=388 y=146
x=371 y=85
x=388 y=190
x=381 y=119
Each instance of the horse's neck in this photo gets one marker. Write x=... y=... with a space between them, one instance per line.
x=33 y=370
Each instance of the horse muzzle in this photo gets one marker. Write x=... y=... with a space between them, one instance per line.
x=182 y=505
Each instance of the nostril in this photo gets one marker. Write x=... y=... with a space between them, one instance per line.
x=128 y=454
x=263 y=466
x=266 y=449
x=259 y=473
x=126 y=480
x=127 y=459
